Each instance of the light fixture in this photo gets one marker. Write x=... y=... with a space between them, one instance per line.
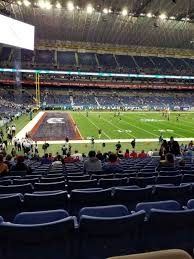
x=162 y=16
x=70 y=6
x=26 y=3
x=41 y=4
x=149 y=15
x=48 y=5
x=58 y=5
x=172 y=17
x=124 y=12
x=89 y=9
x=109 y=10
x=105 y=10
x=142 y=14
x=185 y=19
x=77 y=7
x=19 y=2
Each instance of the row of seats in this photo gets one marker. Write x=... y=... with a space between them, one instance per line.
x=86 y=181
x=21 y=198
x=97 y=232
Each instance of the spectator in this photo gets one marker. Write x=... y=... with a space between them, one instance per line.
x=142 y=154
x=118 y=146
x=20 y=165
x=133 y=154
x=168 y=162
x=190 y=146
x=92 y=163
x=45 y=159
x=69 y=159
x=57 y=160
x=99 y=155
x=50 y=157
x=13 y=152
x=126 y=155
x=164 y=149
x=77 y=156
x=9 y=161
x=150 y=153
x=113 y=164
x=4 y=170
x=173 y=147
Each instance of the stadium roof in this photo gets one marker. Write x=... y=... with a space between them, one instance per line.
x=153 y=23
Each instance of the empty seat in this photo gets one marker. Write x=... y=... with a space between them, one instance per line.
x=88 y=198
x=188 y=178
x=169 y=173
x=147 y=174
x=176 y=180
x=38 y=235
x=131 y=196
x=49 y=186
x=178 y=193
x=170 y=229
x=24 y=188
x=144 y=181
x=51 y=179
x=54 y=175
x=46 y=201
x=190 y=204
x=10 y=205
x=78 y=178
x=163 y=205
x=72 y=185
x=108 y=183
x=102 y=176
x=105 y=235
x=25 y=180
x=5 y=182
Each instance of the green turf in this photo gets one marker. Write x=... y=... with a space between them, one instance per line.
x=114 y=128
x=134 y=125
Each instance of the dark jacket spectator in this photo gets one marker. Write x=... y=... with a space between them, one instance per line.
x=21 y=166
x=164 y=149
x=174 y=147
x=45 y=159
x=168 y=162
x=92 y=163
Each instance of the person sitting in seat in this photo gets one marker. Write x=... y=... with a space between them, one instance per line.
x=142 y=154
x=113 y=164
x=4 y=170
x=21 y=166
x=45 y=159
x=168 y=162
x=92 y=163
x=133 y=154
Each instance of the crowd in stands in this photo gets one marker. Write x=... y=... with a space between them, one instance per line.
x=100 y=62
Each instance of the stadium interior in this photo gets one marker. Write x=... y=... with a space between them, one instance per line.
x=96 y=130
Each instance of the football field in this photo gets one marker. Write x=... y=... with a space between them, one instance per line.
x=140 y=125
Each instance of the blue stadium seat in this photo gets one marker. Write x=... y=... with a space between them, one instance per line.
x=176 y=180
x=25 y=180
x=102 y=236
x=46 y=201
x=72 y=185
x=131 y=196
x=47 y=234
x=49 y=186
x=78 y=178
x=144 y=181
x=51 y=179
x=102 y=176
x=108 y=183
x=190 y=204
x=178 y=193
x=24 y=188
x=5 y=182
x=10 y=205
x=170 y=229
x=188 y=178
x=89 y=198
x=162 y=205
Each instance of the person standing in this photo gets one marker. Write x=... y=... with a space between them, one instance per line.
x=174 y=147
x=133 y=143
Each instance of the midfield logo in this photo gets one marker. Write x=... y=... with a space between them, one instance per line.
x=55 y=121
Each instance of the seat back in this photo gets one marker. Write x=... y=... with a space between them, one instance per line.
x=24 y=188
x=72 y=185
x=49 y=186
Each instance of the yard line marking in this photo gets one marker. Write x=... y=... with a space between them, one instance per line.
x=139 y=128
x=96 y=126
x=179 y=135
x=118 y=127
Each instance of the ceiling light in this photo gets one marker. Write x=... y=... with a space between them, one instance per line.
x=105 y=10
x=149 y=15
x=26 y=3
x=48 y=5
x=109 y=10
x=172 y=17
x=70 y=6
x=58 y=5
x=124 y=12
x=142 y=14
x=19 y=2
x=89 y=9
x=77 y=7
x=41 y=4
x=185 y=19
x=162 y=16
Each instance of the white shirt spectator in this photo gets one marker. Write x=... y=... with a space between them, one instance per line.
x=77 y=156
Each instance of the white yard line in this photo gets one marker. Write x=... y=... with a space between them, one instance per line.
x=97 y=127
x=29 y=126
